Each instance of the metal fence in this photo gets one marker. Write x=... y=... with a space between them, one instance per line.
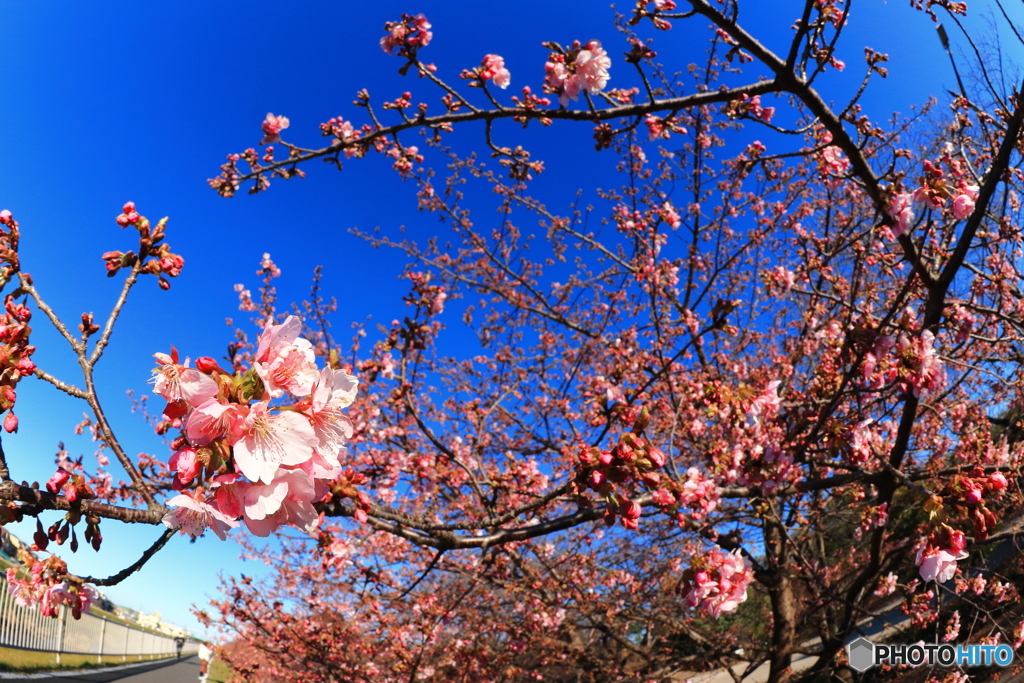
x=25 y=628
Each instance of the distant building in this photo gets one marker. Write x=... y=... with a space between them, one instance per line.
x=9 y=544
x=155 y=622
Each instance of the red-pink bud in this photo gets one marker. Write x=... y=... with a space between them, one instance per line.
x=176 y=409
x=657 y=457
x=11 y=422
x=26 y=367
x=5 y=217
x=605 y=458
x=122 y=220
x=997 y=482
x=957 y=542
x=59 y=478
x=128 y=207
x=207 y=365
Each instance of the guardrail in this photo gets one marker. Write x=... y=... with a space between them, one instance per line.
x=27 y=629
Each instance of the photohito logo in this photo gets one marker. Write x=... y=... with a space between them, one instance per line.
x=863 y=654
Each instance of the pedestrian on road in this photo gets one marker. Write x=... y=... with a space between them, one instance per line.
x=179 y=644
x=205 y=659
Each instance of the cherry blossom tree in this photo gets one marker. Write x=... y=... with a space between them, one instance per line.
x=722 y=417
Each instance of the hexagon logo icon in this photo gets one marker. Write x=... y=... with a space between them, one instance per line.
x=861 y=654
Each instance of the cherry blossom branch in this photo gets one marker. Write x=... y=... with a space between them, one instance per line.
x=433 y=122
x=10 y=490
x=451 y=541
x=117 y=578
x=104 y=339
x=87 y=364
x=26 y=285
x=69 y=389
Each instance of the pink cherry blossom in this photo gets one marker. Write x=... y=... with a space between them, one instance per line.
x=493 y=69
x=902 y=210
x=721 y=585
x=214 y=419
x=963 y=204
x=192 y=514
x=333 y=392
x=272 y=127
x=886 y=585
x=185 y=465
x=767 y=404
x=924 y=367
x=271 y=440
x=938 y=565
x=285 y=361
x=592 y=64
x=671 y=216
x=288 y=500
x=179 y=382
x=230 y=493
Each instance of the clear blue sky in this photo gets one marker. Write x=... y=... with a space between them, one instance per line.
x=106 y=102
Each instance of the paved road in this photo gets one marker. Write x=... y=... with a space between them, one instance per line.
x=184 y=670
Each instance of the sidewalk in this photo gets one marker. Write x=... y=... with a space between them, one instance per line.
x=102 y=673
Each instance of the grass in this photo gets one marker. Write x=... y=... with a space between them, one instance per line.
x=219 y=672
x=28 y=661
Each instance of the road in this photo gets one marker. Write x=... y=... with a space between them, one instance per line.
x=184 y=670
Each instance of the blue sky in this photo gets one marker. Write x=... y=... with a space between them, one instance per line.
x=106 y=102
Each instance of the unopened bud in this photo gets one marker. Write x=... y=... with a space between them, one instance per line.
x=10 y=422
x=656 y=456
x=642 y=421
x=207 y=365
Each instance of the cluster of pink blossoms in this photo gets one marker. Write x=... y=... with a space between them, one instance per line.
x=579 y=70
x=937 y=558
x=717 y=583
x=271 y=462
x=272 y=127
x=406 y=36
x=491 y=69
x=44 y=588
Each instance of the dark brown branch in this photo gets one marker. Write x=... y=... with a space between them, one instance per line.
x=117 y=578
x=10 y=490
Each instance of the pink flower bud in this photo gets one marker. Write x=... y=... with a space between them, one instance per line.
x=997 y=482
x=58 y=480
x=973 y=497
x=657 y=457
x=122 y=220
x=957 y=541
x=207 y=365
x=11 y=422
x=186 y=465
x=5 y=217
x=128 y=207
